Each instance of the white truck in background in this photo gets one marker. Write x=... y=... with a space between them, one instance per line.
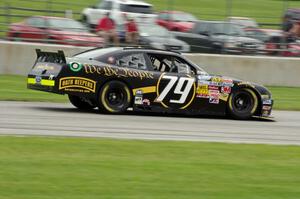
x=140 y=11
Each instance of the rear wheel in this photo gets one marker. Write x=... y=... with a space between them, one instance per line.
x=81 y=103
x=114 y=97
x=242 y=104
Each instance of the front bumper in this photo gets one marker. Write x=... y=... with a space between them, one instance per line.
x=266 y=108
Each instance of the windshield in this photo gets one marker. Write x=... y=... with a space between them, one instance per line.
x=153 y=30
x=227 y=29
x=66 y=24
x=145 y=9
x=183 y=17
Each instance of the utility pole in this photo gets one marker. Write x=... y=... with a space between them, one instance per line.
x=229 y=8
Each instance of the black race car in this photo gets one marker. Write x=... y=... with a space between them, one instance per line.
x=114 y=79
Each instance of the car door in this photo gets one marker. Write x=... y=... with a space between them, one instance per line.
x=203 y=41
x=35 y=28
x=162 y=20
x=176 y=83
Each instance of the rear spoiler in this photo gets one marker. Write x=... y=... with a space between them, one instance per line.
x=52 y=57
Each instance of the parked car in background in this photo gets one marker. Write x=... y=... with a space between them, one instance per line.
x=293 y=14
x=137 y=10
x=271 y=37
x=176 y=20
x=275 y=42
x=157 y=37
x=53 y=30
x=220 y=37
x=243 y=21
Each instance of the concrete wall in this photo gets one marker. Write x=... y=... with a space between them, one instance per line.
x=18 y=58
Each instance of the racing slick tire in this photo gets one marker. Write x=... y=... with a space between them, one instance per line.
x=81 y=103
x=242 y=104
x=114 y=97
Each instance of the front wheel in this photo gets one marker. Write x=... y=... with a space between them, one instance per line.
x=114 y=97
x=81 y=103
x=242 y=104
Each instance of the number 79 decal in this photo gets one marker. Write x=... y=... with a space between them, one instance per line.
x=177 y=93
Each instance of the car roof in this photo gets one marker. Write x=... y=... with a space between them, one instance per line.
x=111 y=50
x=132 y=2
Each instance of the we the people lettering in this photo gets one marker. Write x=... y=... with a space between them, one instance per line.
x=118 y=72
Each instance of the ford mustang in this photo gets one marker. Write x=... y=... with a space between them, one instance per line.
x=115 y=79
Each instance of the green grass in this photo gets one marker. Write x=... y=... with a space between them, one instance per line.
x=286 y=98
x=71 y=168
x=14 y=88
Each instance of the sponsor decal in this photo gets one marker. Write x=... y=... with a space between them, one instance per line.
x=204 y=77
x=45 y=67
x=75 y=67
x=38 y=79
x=118 y=72
x=138 y=92
x=224 y=97
x=51 y=77
x=213 y=100
x=202 y=91
x=267 y=102
x=266 y=108
x=226 y=89
x=217 y=79
x=266 y=113
x=214 y=97
x=77 y=84
x=146 y=102
x=147 y=89
x=138 y=100
x=213 y=87
x=228 y=81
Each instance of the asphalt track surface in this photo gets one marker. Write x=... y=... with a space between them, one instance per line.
x=58 y=119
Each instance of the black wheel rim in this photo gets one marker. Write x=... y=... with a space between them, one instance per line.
x=243 y=102
x=115 y=97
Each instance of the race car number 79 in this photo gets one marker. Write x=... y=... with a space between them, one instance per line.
x=178 y=89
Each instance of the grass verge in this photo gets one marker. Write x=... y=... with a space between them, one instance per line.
x=14 y=88
x=65 y=168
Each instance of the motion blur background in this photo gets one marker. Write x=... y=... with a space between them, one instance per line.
x=268 y=14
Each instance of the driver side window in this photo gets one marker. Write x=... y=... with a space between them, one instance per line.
x=168 y=63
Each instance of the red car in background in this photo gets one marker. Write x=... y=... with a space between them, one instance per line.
x=53 y=30
x=176 y=20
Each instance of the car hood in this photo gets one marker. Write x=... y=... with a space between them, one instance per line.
x=82 y=36
x=223 y=81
